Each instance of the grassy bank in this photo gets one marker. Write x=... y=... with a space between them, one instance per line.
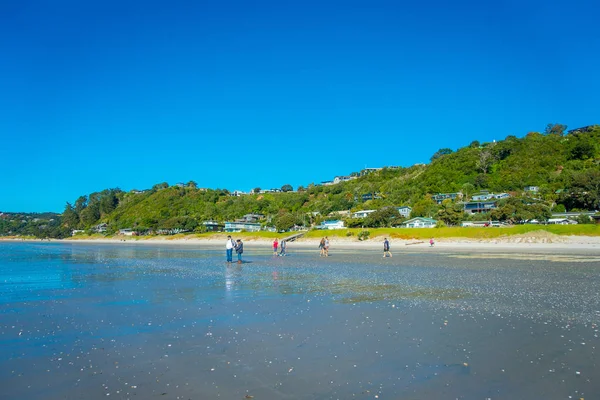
x=467 y=233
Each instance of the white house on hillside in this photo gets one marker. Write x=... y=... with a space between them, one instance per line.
x=332 y=225
x=419 y=222
x=489 y=196
x=339 y=179
x=242 y=226
x=404 y=211
x=362 y=213
x=561 y=221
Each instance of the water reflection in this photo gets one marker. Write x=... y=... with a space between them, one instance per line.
x=233 y=279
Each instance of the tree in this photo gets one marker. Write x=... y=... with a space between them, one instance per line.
x=555 y=129
x=90 y=215
x=583 y=148
x=440 y=153
x=256 y=190
x=584 y=219
x=287 y=188
x=451 y=213
x=80 y=204
x=584 y=191
x=285 y=221
x=192 y=184
x=517 y=210
x=475 y=144
x=383 y=217
x=69 y=217
x=467 y=189
x=108 y=201
x=301 y=189
x=354 y=222
x=481 y=181
x=424 y=208
x=486 y=159
x=158 y=186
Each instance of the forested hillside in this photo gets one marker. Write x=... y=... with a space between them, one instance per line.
x=33 y=224
x=565 y=167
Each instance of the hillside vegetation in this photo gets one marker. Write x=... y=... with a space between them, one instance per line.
x=565 y=167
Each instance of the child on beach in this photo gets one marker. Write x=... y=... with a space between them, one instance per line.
x=431 y=242
x=275 y=246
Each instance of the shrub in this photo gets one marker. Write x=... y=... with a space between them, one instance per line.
x=363 y=235
x=584 y=219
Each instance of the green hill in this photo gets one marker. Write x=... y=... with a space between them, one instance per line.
x=565 y=167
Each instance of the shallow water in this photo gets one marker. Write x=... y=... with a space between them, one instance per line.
x=142 y=321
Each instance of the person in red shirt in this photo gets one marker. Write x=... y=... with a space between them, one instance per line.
x=275 y=246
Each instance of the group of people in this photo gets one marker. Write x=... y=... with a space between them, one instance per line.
x=279 y=246
x=324 y=247
x=232 y=245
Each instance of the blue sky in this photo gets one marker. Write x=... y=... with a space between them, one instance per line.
x=237 y=94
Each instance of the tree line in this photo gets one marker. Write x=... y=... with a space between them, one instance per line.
x=564 y=166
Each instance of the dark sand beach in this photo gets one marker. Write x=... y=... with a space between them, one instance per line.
x=91 y=321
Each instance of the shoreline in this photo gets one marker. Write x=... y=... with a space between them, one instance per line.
x=531 y=243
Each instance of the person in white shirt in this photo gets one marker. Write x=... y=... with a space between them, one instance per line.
x=229 y=246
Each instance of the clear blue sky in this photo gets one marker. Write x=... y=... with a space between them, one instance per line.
x=244 y=94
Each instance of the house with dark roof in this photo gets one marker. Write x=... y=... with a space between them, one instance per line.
x=479 y=206
x=440 y=197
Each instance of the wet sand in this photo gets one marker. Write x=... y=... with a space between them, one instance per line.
x=128 y=321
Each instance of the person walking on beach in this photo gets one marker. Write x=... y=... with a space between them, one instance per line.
x=322 y=247
x=431 y=242
x=229 y=246
x=282 y=246
x=386 y=248
x=326 y=246
x=275 y=246
x=239 y=249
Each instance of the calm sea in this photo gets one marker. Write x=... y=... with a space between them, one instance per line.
x=82 y=321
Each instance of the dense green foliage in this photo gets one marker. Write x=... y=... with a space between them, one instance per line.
x=565 y=167
x=36 y=225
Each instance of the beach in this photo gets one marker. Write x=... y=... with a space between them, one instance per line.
x=535 y=241
x=132 y=320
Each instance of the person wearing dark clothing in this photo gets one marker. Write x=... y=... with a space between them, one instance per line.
x=282 y=246
x=239 y=249
x=386 y=248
